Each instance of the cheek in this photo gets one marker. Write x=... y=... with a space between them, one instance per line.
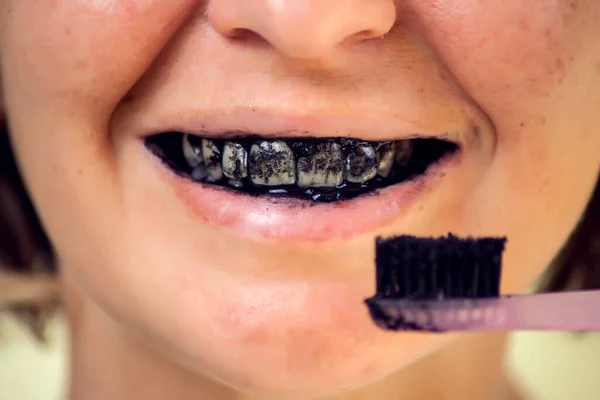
x=502 y=50
x=95 y=42
x=533 y=69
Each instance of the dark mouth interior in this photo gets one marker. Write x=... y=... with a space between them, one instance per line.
x=424 y=152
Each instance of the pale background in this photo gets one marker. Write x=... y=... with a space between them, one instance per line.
x=551 y=366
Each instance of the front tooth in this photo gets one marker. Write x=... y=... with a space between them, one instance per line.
x=361 y=162
x=321 y=165
x=404 y=149
x=271 y=163
x=385 y=158
x=192 y=150
x=235 y=161
x=212 y=159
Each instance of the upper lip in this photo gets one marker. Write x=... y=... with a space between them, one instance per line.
x=244 y=121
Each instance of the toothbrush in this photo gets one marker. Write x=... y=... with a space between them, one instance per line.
x=453 y=284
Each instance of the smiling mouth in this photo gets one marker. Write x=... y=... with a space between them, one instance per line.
x=320 y=170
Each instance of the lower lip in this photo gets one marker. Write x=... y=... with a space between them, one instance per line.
x=280 y=218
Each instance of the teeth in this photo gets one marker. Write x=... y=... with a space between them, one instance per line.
x=235 y=183
x=272 y=164
x=235 y=161
x=321 y=165
x=212 y=159
x=385 y=158
x=404 y=150
x=192 y=150
x=361 y=162
x=200 y=173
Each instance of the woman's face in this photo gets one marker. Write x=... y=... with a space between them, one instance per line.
x=265 y=294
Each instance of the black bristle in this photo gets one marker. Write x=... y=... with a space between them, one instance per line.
x=414 y=268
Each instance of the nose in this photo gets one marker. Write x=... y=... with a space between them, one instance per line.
x=305 y=29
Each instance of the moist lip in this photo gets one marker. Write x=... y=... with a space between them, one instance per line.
x=423 y=154
x=283 y=217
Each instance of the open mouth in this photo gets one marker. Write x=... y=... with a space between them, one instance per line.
x=320 y=170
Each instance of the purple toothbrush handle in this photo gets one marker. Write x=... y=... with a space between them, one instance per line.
x=565 y=311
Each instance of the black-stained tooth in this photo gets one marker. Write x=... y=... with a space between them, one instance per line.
x=361 y=162
x=272 y=163
x=320 y=165
x=404 y=150
x=385 y=158
x=200 y=173
x=238 y=184
x=235 y=161
x=212 y=159
x=315 y=169
x=192 y=150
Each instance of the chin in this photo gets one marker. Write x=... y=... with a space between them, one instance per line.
x=304 y=373
x=284 y=342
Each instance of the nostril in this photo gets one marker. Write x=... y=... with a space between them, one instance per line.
x=244 y=36
x=365 y=35
x=242 y=33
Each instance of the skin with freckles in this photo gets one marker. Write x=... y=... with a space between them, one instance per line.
x=168 y=300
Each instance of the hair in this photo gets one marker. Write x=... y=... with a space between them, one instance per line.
x=26 y=251
x=26 y=256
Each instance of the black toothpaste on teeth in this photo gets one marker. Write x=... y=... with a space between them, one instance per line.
x=321 y=170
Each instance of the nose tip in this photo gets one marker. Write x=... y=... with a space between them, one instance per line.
x=306 y=29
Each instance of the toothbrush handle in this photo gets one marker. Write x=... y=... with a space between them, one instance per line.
x=565 y=311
